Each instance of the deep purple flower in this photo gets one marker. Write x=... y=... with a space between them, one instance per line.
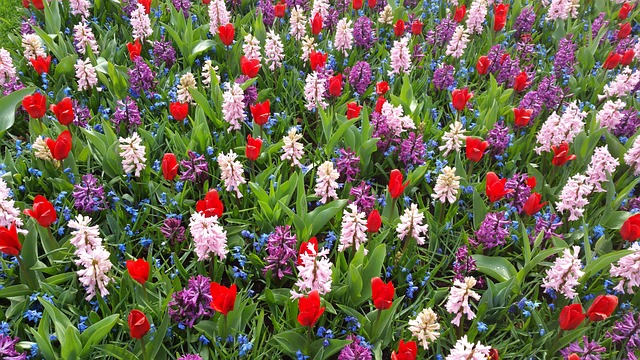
x=360 y=76
x=521 y=191
x=281 y=250
x=28 y=23
x=88 y=195
x=164 y=53
x=8 y=348
x=126 y=112
x=549 y=94
x=413 y=150
x=382 y=130
x=495 y=57
x=173 y=230
x=590 y=351
x=627 y=331
x=629 y=123
x=348 y=164
x=443 y=77
x=492 y=232
x=547 y=226
x=82 y=114
x=251 y=94
x=141 y=78
x=498 y=138
x=509 y=69
x=191 y=303
x=268 y=11
x=343 y=6
x=363 y=199
x=625 y=44
x=464 y=264
x=332 y=19
x=362 y=32
x=304 y=4
x=599 y=23
x=182 y=5
x=442 y=34
x=354 y=351
x=632 y=204
x=565 y=58
x=196 y=168
x=129 y=6
x=524 y=22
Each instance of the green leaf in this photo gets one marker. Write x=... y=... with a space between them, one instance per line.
x=96 y=332
x=66 y=65
x=15 y=290
x=497 y=267
x=52 y=16
x=338 y=135
x=290 y=341
x=200 y=47
x=8 y=106
x=72 y=346
x=60 y=321
x=603 y=262
x=118 y=352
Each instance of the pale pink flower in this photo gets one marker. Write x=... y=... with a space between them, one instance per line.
x=400 y=57
x=476 y=16
x=80 y=7
x=208 y=236
x=326 y=183
x=454 y=139
x=447 y=186
x=464 y=350
x=354 y=229
x=231 y=172
x=557 y=130
x=207 y=69
x=322 y=7
x=562 y=9
x=273 y=50
x=9 y=214
x=233 y=106
x=85 y=74
x=314 y=89
x=7 y=69
x=133 y=152
x=602 y=164
x=622 y=85
x=395 y=118
x=251 y=47
x=425 y=327
x=610 y=116
x=218 y=16
x=458 y=300
x=574 y=196
x=458 y=42
x=96 y=265
x=628 y=268
x=411 y=223
x=297 y=23
x=565 y=273
x=141 y=23
x=293 y=149
x=84 y=39
x=314 y=273
x=344 y=36
x=84 y=236
x=632 y=157
x=32 y=46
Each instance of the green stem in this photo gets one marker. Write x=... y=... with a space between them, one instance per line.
x=23 y=270
x=144 y=351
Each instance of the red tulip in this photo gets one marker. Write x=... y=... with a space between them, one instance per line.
x=335 y=85
x=357 y=4
x=460 y=12
x=35 y=105
x=138 y=324
x=416 y=27
x=573 y=356
x=406 y=351
x=482 y=66
x=571 y=317
x=372 y=3
x=135 y=49
x=475 y=148
x=630 y=230
x=38 y=4
x=60 y=147
x=252 y=151
x=495 y=187
x=64 y=111
x=522 y=117
x=520 y=82
x=374 y=221
x=305 y=248
x=602 y=307
x=612 y=61
x=309 y=309
x=249 y=68
x=316 y=24
x=396 y=187
x=146 y=4
x=398 y=28
x=279 y=9
x=353 y=110
x=531 y=182
x=627 y=57
x=500 y=16
x=317 y=60
x=379 y=103
x=625 y=10
x=533 y=204
x=224 y=298
x=43 y=211
x=169 y=166
x=625 y=30
x=226 y=33
x=382 y=87
x=210 y=205
x=382 y=294
x=561 y=154
x=179 y=110
x=261 y=112
x=25 y=4
x=460 y=98
x=9 y=243
x=138 y=270
x=41 y=64
x=493 y=354
x=206 y=2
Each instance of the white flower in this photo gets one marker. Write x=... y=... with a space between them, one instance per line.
x=464 y=350
x=425 y=327
x=251 y=47
x=132 y=153
x=298 y=23
x=386 y=16
x=41 y=150
x=85 y=74
x=458 y=300
x=208 y=236
x=293 y=150
x=453 y=139
x=314 y=273
x=565 y=273
x=207 y=70
x=232 y=172
x=458 y=42
x=447 y=185
x=96 y=265
x=411 y=224
x=344 y=36
x=354 y=229
x=84 y=237
x=308 y=45
x=326 y=184
x=273 y=50
x=187 y=81
x=32 y=46
x=314 y=90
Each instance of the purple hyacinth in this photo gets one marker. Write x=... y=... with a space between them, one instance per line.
x=627 y=331
x=629 y=123
x=565 y=58
x=354 y=351
x=413 y=150
x=492 y=232
x=173 y=230
x=625 y=44
x=509 y=69
x=332 y=19
x=531 y=100
x=521 y=190
x=82 y=114
x=164 y=53
x=495 y=57
x=442 y=34
x=281 y=250
x=304 y=4
x=524 y=22
x=443 y=77
x=498 y=138
x=141 y=78
x=268 y=11
x=192 y=303
x=360 y=76
x=547 y=224
x=126 y=113
x=343 y=6
x=129 y=6
x=633 y=205
x=382 y=130
x=88 y=195
x=549 y=94
x=190 y=357
x=590 y=351
x=599 y=23
x=28 y=23
x=182 y=5
x=196 y=168
x=363 y=199
x=464 y=264
x=362 y=33
x=348 y=164
x=251 y=94
x=8 y=348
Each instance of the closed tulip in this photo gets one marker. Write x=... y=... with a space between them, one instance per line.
x=138 y=324
x=138 y=270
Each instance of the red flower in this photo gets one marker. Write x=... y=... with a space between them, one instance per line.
x=495 y=187
x=398 y=28
x=573 y=356
x=475 y=148
x=396 y=187
x=625 y=30
x=9 y=243
x=625 y=10
x=226 y=33
x=460 y=12
x=630 y=230
x=64 y=111
x=382 y=294
x=169 y=166
x=138 y=324
x=493 y=354
x=335 y=85
x=179 y=110
x=317 y=60
x=482 y=66
x=531 y=182
x=61 y=146
x=305 y=248
x=406 y=351
x=602 y=307
x=381 y=100
x=612 y=61
x=460 y=98
x=416 y=27
x=25 y=3
x=571 y=317
x=374 y=221
x=309 y=309
x=41 y=65
x=38 y=4
x=533 y=204
x=372 y=3
x=36 y=105
x=382 y=87
x=146 y=4
x=520 y=82
x=249 y=68
x=279 y=9
x=224 y=298
x=135 y=48
x=500 y=16
x=206 y=2
x=353 y=110
x=252 y=151
x=210 y=205
x=316 y=24
x=357 y=4
x=138 y=270
x=561 y=154
x=43 y=211
x=261 y=112
x=627 y=57
x=522 y=117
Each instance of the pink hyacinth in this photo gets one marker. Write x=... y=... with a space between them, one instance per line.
x=251 y=47
x=458 y=42
x=411 y=224
x=326 y=184
x=273 y=50
x=314 y=273
x=80 y=7
x=562 y=9
x=141 y=23
x=218 y=16
x=628 y=268
x=400 y=57
x=610 y=116
x=233 y=106
x=558 y=129
x=85 y=74
x=565 y=273
x=293 y=148
x=477 y=15
x=458 y=300
x=9 y=214
x=601 y=165
x=320 y=7
x=231 y=172
x=84 y=237
x=344 y=36
x=574 y=196
x=622 y=85
x=93 y=276
x=297 y=23
x=395 y=118
x=632 y=157
x=208 y=236
x=314 y=89
x=84 y=39
x=465 y=350
x=7 y=69
x=354 y=229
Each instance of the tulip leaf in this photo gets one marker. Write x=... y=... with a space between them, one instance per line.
x=497 y=267
x=603 y=262
x=8 y=106
x=290 y=341
x=96 y=332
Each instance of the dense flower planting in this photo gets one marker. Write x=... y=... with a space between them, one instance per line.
x=347 y=180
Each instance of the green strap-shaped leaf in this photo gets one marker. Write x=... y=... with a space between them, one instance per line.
x=8 y=106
